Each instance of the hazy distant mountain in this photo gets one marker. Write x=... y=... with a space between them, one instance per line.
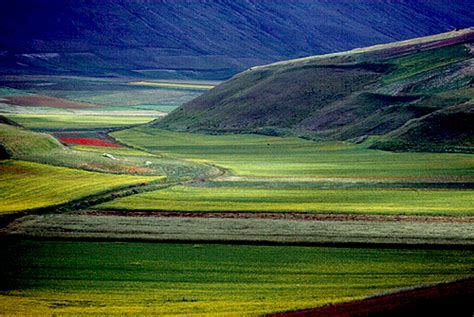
x=415 y=95
x=213 y=39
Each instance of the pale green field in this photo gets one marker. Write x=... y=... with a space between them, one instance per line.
x=27 y=185
x=74 y=121
x=238 y=199
x=172 y=85
x=399 y=230
x=60 y=277
x=125 y=151
x=256 y=155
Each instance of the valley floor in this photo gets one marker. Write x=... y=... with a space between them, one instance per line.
x=259 y=224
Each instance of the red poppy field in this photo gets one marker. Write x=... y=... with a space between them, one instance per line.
x=89 y=142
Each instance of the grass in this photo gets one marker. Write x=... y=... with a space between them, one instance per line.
x=256 y=155
x=422 y=62
x=172 y=85
x=125 y=151
x=238 y=199
x=74 y=121
x=27 y=185
x=148 y=279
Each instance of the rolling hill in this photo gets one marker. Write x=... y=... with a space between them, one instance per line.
x=416 y=95
x=203 y=39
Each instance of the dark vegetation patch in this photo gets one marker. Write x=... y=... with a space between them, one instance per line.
x=45 y=101
x=5 y=120
x=447 y=130
x=4 y=154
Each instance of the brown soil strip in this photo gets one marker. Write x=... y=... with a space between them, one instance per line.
x=280 y=215
x=446 y=299
x=45 y=101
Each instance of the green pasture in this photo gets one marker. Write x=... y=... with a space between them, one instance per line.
x=257 y=155
x=46 y=277
x=239 y=199
x=27 y=185
x=74 y=121
x=43 y=148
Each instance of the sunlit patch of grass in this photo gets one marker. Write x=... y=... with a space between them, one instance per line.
x=257 y=155
x=74 y=121
x=172 y=85
x=241 y=199
x=27 y=185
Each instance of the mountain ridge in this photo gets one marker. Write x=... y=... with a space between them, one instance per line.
x=203 y=39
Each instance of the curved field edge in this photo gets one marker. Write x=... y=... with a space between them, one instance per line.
x=27 y=186
x=442 y=299
x=67 y=277
x=267 y=156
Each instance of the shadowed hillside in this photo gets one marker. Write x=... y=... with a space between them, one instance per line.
x=417 y=94
x=203 y=39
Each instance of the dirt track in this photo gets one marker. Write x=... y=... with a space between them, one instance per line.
x=281 y=215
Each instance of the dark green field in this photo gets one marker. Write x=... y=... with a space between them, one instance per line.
x=134 y=278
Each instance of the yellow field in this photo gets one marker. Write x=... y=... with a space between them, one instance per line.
x=27 y=185
x=172 y=85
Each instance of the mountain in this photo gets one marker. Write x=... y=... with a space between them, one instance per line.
x=203 y=39
x=416 y=95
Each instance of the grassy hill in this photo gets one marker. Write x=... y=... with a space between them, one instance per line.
x=415 y=94
x=203 y=39
x=21 y=144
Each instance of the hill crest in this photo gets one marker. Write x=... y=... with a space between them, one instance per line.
x=370 y=91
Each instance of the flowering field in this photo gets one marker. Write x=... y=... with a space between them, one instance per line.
x=89 y=141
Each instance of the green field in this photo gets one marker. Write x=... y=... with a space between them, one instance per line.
x=74 y=121
x=147 y=279
x=255 y=155
x=238 y=199
x=26 y=185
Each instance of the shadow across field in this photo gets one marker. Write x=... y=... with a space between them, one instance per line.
x=447 y=299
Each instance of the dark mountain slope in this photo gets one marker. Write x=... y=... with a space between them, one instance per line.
x=204 y=38
x=372 y=91
x=448 y=128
